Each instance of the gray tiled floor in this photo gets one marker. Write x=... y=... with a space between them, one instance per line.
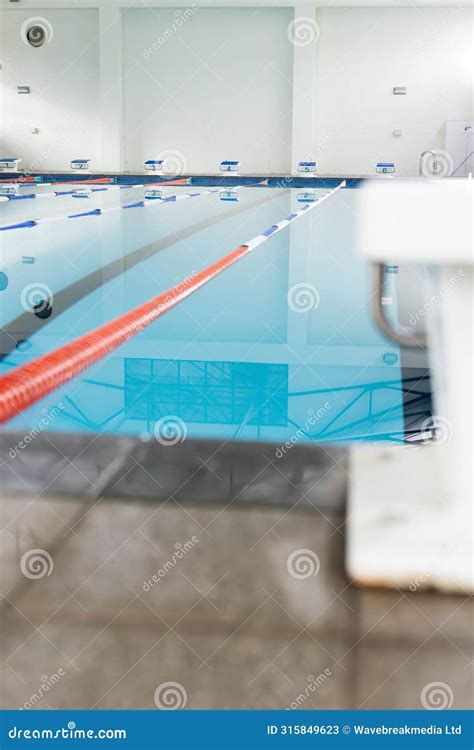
x=228 y=620
x=393 y=676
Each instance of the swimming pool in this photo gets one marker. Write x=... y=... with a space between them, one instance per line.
x=279 y=348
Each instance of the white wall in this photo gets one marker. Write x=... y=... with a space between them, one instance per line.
x=364 y=52
x=218 y=86
x=64 y=81
x=227 y=83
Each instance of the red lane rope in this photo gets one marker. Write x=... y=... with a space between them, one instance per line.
x=101 y=180
x=30 y=382
x=184 y=181
x=108 y=180
x=93 y=180
x=17 y=179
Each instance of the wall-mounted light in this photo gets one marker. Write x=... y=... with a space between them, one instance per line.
x=36 y=31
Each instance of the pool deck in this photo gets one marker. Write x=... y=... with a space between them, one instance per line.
x=195 y=470
x=227 y=621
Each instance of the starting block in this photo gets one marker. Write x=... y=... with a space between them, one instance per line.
x=229 y=165
x=153 y=194
x=9 y=164
x=80 y=165
x=153 y=165
x=82 y=193
x=307 y=167
x=385 y=167
x=308 y=196
x=10 y=189
x=229 y=195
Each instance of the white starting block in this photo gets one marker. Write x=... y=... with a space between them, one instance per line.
x=9 y=164
x=153 y=194
x=229 y=165
x=307 y=167
x=80 y=165
x=154 y=165
x=229 y=195
x=425 y=491
x=385 y=167
x=308 y=196
x=82 y=193
x=9 y=189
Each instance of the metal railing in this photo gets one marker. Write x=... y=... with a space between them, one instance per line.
x=383 y=323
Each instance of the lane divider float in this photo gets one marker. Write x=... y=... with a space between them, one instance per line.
x=101 y=211
x=28 y=383
x=23 y=180
x=82 y=191
x=18 y=179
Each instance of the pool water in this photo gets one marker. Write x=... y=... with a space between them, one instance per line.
x=279 y=348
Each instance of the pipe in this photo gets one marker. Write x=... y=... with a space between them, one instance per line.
x=381 y=321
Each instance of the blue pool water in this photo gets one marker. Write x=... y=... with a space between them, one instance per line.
x=279 y=348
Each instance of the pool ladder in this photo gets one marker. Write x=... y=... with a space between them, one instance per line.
x=378 y=285
x=383 y=323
